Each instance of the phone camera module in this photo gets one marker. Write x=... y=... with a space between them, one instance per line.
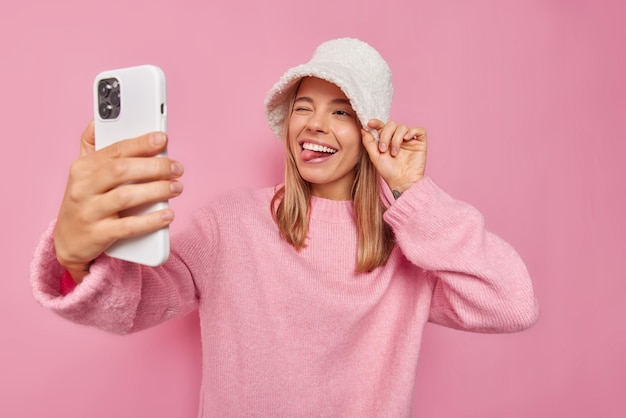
x=109 y=102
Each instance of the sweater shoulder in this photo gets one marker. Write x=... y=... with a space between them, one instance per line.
x=241 y=200
x=236 y=207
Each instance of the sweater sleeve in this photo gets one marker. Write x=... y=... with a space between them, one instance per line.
x=116 y=296
x=479 y=281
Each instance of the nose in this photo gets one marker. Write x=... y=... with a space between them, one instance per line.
x=317 y=123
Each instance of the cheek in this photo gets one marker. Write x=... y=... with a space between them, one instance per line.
x=352 y=141
x=355 y=149
x=295 y=126
x=293 y=148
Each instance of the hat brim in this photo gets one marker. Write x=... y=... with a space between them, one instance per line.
x=277 y=102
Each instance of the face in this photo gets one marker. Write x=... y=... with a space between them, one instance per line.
x=324 y=137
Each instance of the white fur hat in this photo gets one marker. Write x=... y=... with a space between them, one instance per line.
x=354 y=66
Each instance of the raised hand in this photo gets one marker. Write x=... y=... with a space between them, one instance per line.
x=400 y=153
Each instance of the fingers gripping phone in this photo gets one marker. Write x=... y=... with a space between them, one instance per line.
x=130 y=102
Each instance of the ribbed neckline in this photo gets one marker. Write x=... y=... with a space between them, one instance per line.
x=334 y=211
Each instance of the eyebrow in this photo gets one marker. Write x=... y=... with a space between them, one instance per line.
x=334 y=101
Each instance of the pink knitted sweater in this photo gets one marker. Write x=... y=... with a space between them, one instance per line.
x=288 y=333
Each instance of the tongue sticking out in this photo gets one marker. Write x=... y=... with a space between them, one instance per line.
x=308 y=155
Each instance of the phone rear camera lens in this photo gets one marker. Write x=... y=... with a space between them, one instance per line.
x=115 y=98
x=105 y=110
x=104 y=88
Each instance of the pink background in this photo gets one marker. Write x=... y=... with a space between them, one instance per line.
x=524 y=102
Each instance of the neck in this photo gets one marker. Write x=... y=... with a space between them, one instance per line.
x=331 y=193
x=337 y=190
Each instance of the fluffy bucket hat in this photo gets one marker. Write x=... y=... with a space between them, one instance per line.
x=353 y=65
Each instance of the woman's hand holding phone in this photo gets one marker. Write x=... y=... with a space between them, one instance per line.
x=103 y=183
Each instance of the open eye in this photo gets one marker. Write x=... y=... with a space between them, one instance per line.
x=341 y=112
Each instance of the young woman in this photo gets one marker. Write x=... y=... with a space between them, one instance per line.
x=312 y=295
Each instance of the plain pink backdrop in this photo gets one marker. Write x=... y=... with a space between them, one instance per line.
x=524 y=101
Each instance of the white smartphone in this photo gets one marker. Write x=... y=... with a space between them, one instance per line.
x=129 y=102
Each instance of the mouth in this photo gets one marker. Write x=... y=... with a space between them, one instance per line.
x=317 y=148
x=315 y=152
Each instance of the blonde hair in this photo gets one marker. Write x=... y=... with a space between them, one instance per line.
x=291 y=208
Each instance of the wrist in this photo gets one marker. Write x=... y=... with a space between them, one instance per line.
x=399 y=187
x=77 y=275
x=76 y=270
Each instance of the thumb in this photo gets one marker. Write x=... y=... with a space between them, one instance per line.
x=88 y=140
x=376 y=124
x=370 y=144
